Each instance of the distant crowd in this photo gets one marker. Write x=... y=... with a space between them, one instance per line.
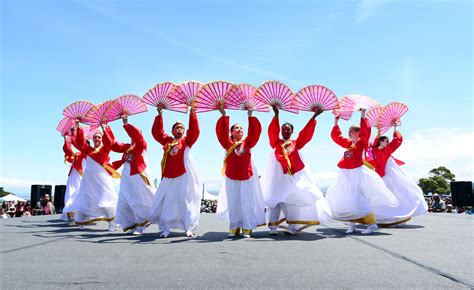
x=11 y=209
x=437 y=203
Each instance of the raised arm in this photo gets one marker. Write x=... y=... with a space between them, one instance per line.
x=337 y=137
x=136 y=135
x=157 y=130
x=222 y=129
x=193 y=131
x=395 y=143
x=255 y=129
x=274 y=132
x=80 y=142
x=306 y=134
x=108 y=138
x=68 y=154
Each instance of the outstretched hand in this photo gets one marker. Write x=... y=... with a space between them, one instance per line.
x=221 y=109
x=336 y=119
x=125 y=119
x=275 y=110
x=192 y=110
x=160 y=110
x=317 y=113
x=250 y=112
x=362 y=113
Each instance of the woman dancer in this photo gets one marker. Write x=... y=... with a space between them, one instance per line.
x=288 y=184
x=96 y=199
x=408 y=193
x=358 y=191
x=240 y=200
x=177 y=202
x=136 y=191
x=77 y=161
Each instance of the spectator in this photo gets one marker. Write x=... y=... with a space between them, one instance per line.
x=4 y=215
x=438 y=205
x=28 y=207
x=19 y=208
x=48 y=205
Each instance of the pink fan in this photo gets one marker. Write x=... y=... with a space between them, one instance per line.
x=241 y=97
x=392 y=114
x=64 y=126
x=211 y=96
x=100 y=114
x=312 y=98
x=185 y=93
x=352 y=103
x=345 y=115
x=78 y=110
x=158 y=96
x=373 y=116
x=127 y=105
x=276 y=93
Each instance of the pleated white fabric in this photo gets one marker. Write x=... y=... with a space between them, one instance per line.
x=96 y=198
x=177 y=202
x=72 y=188
x=408 y=193
x=357 y=193
x=241 y=202
x=134 y=199
x=297 y=196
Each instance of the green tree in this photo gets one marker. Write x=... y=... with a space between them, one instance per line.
x=438 y=181
x=3 y=192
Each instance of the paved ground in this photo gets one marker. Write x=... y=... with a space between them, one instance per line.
x=433 y=251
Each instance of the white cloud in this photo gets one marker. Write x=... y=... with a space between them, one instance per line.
x=368 y=8
x=430 y=148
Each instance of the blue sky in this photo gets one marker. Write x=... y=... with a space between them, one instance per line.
x=56 y=52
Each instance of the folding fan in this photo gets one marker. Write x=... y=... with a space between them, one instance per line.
x=391 y=114
x=64 y=126
x=212 y=96
x=185 y=93
x=357 y=102
x=78 y=110
x=312 y=98
x=127 y=105
x=345 y=115
x=100 y=114
x=241 y=97
x=158 y=96
x=373 y=116
x=276 y=93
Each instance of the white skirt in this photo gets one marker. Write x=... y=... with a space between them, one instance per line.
x=96 y=199
x=298 y=195
x=357 y=193
x=134 y=199
x=72 y=188
x=241 y=202
x=177 y=202
x=408 y=193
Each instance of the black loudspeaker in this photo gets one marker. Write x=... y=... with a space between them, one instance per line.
x=461 y=193
x=38 y=191
x=59 y=193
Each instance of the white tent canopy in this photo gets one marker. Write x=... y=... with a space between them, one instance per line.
x=11 y=197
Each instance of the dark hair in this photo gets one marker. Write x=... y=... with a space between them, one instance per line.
x=176 y=124
x=232 y=129
x=288 y=124
x=381 y=138
x=355 y=128
x=88 y=142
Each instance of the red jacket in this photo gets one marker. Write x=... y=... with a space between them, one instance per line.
x=238 y=163
x=353 y=156
x=133 y=152
x=74 y=158
x=291 y=147
x=380 y=156
x=101 y=155
x=174 y=166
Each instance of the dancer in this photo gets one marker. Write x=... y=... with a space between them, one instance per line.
x=289 y=189
x=240 y=200
x=358 y=190
x=96 y=199
x=177 y=201
x=408 y=193
x=136 y=191
x=77 y=161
